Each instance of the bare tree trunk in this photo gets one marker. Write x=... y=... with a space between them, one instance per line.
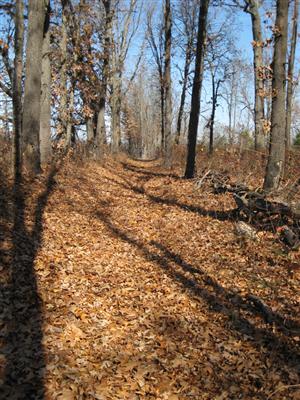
x=196 y=92
x=183 y=92
x=168 y=89
x=162 y=115
x=90 y=131
x=258 y=64
x=17 y=85
x=63 y=73
x=70 y=127
x=32 y=92
x=45 y=126
x=290 y=84
x=100 y=131
x=275 y=166
x=116 y=115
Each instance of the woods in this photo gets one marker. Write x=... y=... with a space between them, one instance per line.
x=79 y=60
x=149 y=199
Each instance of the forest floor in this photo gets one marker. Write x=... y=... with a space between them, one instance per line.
x=126 y=282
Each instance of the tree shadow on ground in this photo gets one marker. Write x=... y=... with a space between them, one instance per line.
x=267 y=223
x=150 y=174
x=22 y=307
x=238 y=311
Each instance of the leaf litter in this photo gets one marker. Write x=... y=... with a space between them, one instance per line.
x=139 y=289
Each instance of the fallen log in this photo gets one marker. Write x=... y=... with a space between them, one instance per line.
x=255 y=204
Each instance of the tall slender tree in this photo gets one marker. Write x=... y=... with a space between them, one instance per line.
x=252 y=7
x=167 y=82
x=17 y=84
x=290 y=80
x=32 y=92
x=196 y=92
x=187 y=15
x=100 y=130
x=45 y=117
x=156 y=46
x=275 y=165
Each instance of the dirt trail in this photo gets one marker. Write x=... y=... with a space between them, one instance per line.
x=144 y=288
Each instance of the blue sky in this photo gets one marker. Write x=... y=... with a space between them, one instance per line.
x=241 y=30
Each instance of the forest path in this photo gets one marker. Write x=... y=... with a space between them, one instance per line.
x=144 y=291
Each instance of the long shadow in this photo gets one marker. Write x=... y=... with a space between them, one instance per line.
x=280 y=347
x=23 y=349
x=148 y=173
x=221 y=215
x=229 y=215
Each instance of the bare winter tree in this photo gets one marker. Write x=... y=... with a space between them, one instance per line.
x=275 y=165
x=100 y=130
x=186 y=26
x=125 y=28
x=155 y=41
x=219 y=53
x=196 y=92
x=167 y=84
x=252 y=7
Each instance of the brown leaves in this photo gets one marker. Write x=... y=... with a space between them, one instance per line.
x=144 y=292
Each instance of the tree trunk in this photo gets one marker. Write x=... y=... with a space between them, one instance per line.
x=162 y=116
x=17 y=85
x=63 y=112
x=196 y=92
x=275 y=165
x=116 y=115
x=70 y=127
x=100 y=130
x=212 y=117
x=258 y=64
x=290 y=84
x=168 y=89
x=32 y=91
x=183 y=92
x=45 y=125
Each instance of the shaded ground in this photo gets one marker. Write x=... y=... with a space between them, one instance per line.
x=125 y=283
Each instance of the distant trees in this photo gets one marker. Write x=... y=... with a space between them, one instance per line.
x=219 y=58
x=77 y=85
x=187 y=29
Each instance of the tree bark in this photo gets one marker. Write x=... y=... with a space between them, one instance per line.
x=45 y=118
x=167 y=81
x=32 y=92
x=186 y=71
x=290 y=84
x=116 y=115
x=63 y=112
x=275 y=165
x=196 y=92
x=17 y=85
x=258 y=64
x=100 y=130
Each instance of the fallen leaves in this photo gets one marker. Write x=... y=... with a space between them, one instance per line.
x=144 y=294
